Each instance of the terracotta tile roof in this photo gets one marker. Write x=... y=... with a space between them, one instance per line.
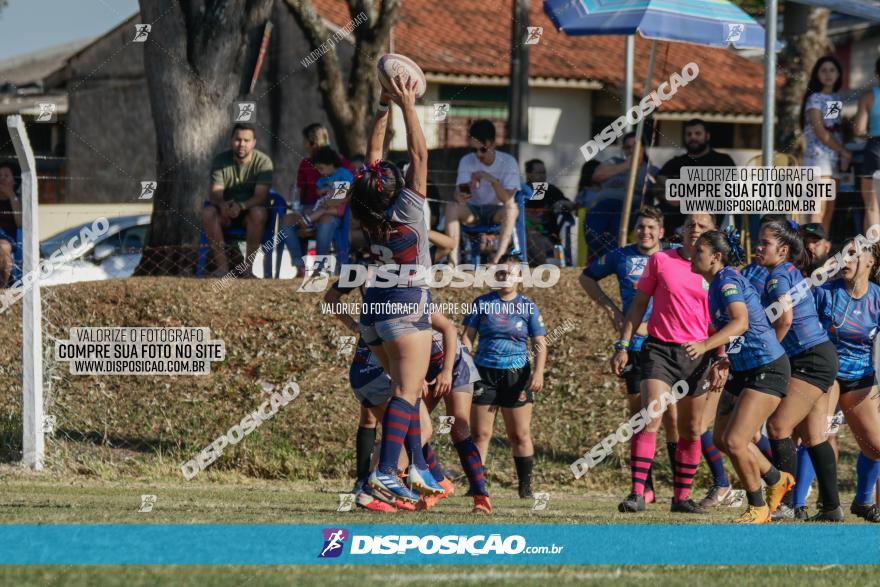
x=473 y=38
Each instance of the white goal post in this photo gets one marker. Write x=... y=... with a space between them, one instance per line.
x=33 y=441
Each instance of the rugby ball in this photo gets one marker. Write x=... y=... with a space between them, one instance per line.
x=392 y=64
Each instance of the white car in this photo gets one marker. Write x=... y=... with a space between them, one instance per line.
x=115 y=255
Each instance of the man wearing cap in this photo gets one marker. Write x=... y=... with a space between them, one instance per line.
x=816 y=244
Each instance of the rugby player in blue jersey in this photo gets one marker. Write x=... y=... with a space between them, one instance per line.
x=758 y=365
x=813 y=361
x=509 y=327
x=627 y=264
x=849 y=309
x=754 y=271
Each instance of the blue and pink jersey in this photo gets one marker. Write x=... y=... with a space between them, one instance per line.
x=851 y=325
x=681 y=310
x=504 y=328
x=805 y=331
x=758 y=345
x=407 y=243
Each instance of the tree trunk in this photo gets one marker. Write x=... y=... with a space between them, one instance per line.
x=347 y=104
x=806 y=35
x=197 y=57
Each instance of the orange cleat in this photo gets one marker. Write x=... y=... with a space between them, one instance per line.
x=775 y=492
x=482 y=505
x=754 y=515
x=404 y=505
x=429 y=501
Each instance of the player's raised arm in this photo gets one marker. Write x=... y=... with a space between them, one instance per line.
x=376 y=142
x=417 y=148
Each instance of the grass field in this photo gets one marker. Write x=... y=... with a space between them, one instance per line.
x=118 y=438
x=29 y=499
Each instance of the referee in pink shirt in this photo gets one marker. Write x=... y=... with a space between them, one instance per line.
x=680 y=314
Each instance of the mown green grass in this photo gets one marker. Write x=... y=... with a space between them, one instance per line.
x=434 y=575
x=28 y=499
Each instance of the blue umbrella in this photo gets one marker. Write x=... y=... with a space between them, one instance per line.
x=716 y=23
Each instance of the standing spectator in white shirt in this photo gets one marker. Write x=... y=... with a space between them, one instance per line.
x=487 y=182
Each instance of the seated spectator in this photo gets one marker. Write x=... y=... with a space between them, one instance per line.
x=602 y=224
x=10 y=219
x=326 y=214
x=699 y=153
x=240 y=182
x=486 y=184
x=305 y=190
x=544 y=217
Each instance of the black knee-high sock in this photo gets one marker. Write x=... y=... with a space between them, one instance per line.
x=670 y=448
x=785 y=459
x=366 y=441
x=825 y=465
x=524 y=470
x=649 y=481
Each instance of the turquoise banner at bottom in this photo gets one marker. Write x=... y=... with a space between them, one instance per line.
x=210 y=544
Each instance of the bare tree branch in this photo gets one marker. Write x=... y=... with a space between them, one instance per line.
x=346 y=101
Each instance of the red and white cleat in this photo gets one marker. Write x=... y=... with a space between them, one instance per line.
x=368 y=502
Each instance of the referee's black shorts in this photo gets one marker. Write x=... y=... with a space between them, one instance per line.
x=668 y=362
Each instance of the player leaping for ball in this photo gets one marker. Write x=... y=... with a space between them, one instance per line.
x=390 y=210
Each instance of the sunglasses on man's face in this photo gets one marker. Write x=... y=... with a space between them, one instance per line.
x=501 y=275
x=479 y=149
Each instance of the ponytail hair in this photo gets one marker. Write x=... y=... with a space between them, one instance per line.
x=725 y=242
x=862 y=245
x=786 y=233
x=375 y=188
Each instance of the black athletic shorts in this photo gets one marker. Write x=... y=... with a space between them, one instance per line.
x=507 y=388
x=771 y=378
x=871 y=157
x=817 y=365
x=632 y=373
x=726 y=403
x=668 y=362
x=848 y=385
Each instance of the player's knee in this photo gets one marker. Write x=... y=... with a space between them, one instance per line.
x=519 y=437
x=481 y=435
x=872 y=448
x=460 y=429
x=776 y=428
x=734 y=443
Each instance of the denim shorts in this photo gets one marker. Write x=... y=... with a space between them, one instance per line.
x=389 y=313
x=485 y=214
x=871 y=155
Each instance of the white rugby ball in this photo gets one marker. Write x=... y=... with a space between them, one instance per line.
x=393 y=64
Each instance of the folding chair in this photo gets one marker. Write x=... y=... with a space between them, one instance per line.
x=277 y=208
x=473 y=233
